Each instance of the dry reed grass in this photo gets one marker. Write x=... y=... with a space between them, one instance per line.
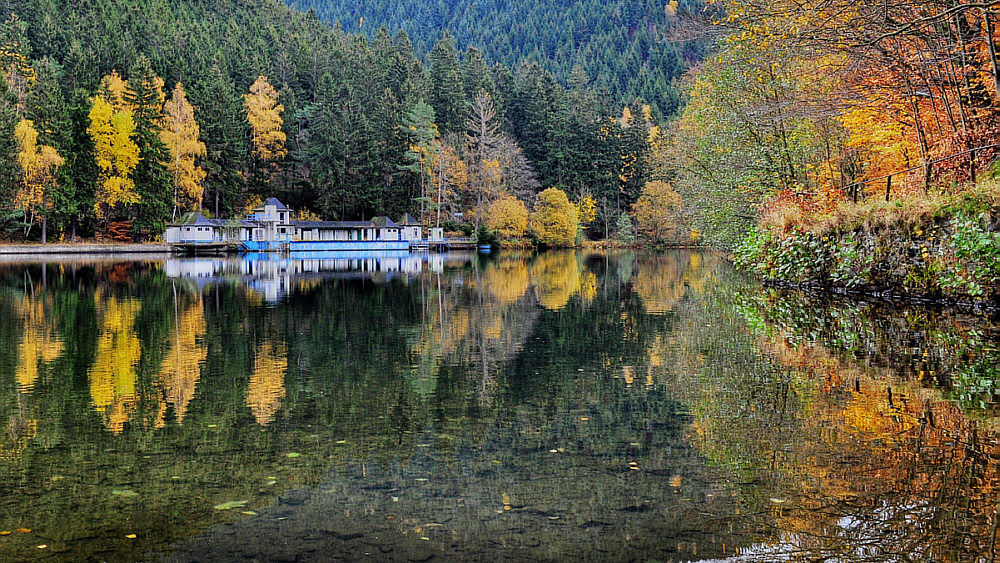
x=904 y=213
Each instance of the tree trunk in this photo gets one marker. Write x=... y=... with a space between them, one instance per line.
x=991 y=47
x=45 y=217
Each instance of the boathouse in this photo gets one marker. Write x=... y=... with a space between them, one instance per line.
x=270 y=227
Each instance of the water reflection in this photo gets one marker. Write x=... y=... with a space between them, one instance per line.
x=273 y=276
x=558 y=406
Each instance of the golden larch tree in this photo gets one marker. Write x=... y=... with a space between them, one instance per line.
x=264 y=115
x=116 y=154
x=114 y=89
x=180 y=135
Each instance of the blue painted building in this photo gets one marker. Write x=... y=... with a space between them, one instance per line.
x=270 y=228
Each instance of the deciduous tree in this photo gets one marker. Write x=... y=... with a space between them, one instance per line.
x=656 y=210
x=116 y=154
x=264 y=116
x=39 y=166
x=180 y=134
x=554 y=221
x=509 y=216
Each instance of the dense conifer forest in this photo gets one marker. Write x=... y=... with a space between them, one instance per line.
x=634 y=49
x=118 y=115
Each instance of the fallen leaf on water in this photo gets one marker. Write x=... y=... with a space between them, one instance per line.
x=585 y=418
x=271 y=483
x=553 y=451
x=229 y=505
x=124 y=493
x=249 y=513
x=341 y=441
x=5 y=532
x=292 y=454
x=425 y=538
x=675 y=481
x=43 y=546
x=420 y=479
x=24 y=530
x=505 y=499
x=777 y=500
x=131 y=536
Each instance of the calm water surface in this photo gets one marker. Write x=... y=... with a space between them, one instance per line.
x=561 y=406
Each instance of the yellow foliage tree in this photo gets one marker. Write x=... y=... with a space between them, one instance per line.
x=656 y=210
x=586 y=209
x=554 y=222
x=181 y=367
x=556 y=277
x=267 y=384
x=115 y=91
x=180 y=135
x=39 y=165
x=112 y=377
x=449 y=173
x=116 y=153
x=509 y=216
x=264 y=115
x=39 y=346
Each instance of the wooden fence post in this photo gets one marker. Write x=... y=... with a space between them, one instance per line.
x=888 y=186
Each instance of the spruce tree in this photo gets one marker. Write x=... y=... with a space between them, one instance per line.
x=47 y=107
x=219 y=111
x=152 y=179
x=447 y=88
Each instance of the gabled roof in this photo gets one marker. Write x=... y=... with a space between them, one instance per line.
x=409 y=220
x=194 y=218
x=274 y=201
x=382 y=221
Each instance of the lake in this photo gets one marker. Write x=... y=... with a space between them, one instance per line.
x=538 y=407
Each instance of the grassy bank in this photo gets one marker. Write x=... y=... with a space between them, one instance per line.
x=935 y=245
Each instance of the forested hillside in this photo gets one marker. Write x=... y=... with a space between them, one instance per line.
x=635 y=49
x=119 y=114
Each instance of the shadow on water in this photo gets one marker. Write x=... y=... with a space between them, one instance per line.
x=555 y=406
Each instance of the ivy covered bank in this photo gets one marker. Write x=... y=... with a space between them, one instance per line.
x=921 y=245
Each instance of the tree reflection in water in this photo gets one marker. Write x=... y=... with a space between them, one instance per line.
x=570 y=405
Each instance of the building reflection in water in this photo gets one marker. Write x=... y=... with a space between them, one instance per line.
x=273 y=276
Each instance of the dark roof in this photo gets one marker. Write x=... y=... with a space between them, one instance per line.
x=274 y=201
x=409 y=220
x=193 y=218
x=332 y=224
x=383 y=221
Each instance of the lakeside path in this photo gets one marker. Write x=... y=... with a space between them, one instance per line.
x=81 y=248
